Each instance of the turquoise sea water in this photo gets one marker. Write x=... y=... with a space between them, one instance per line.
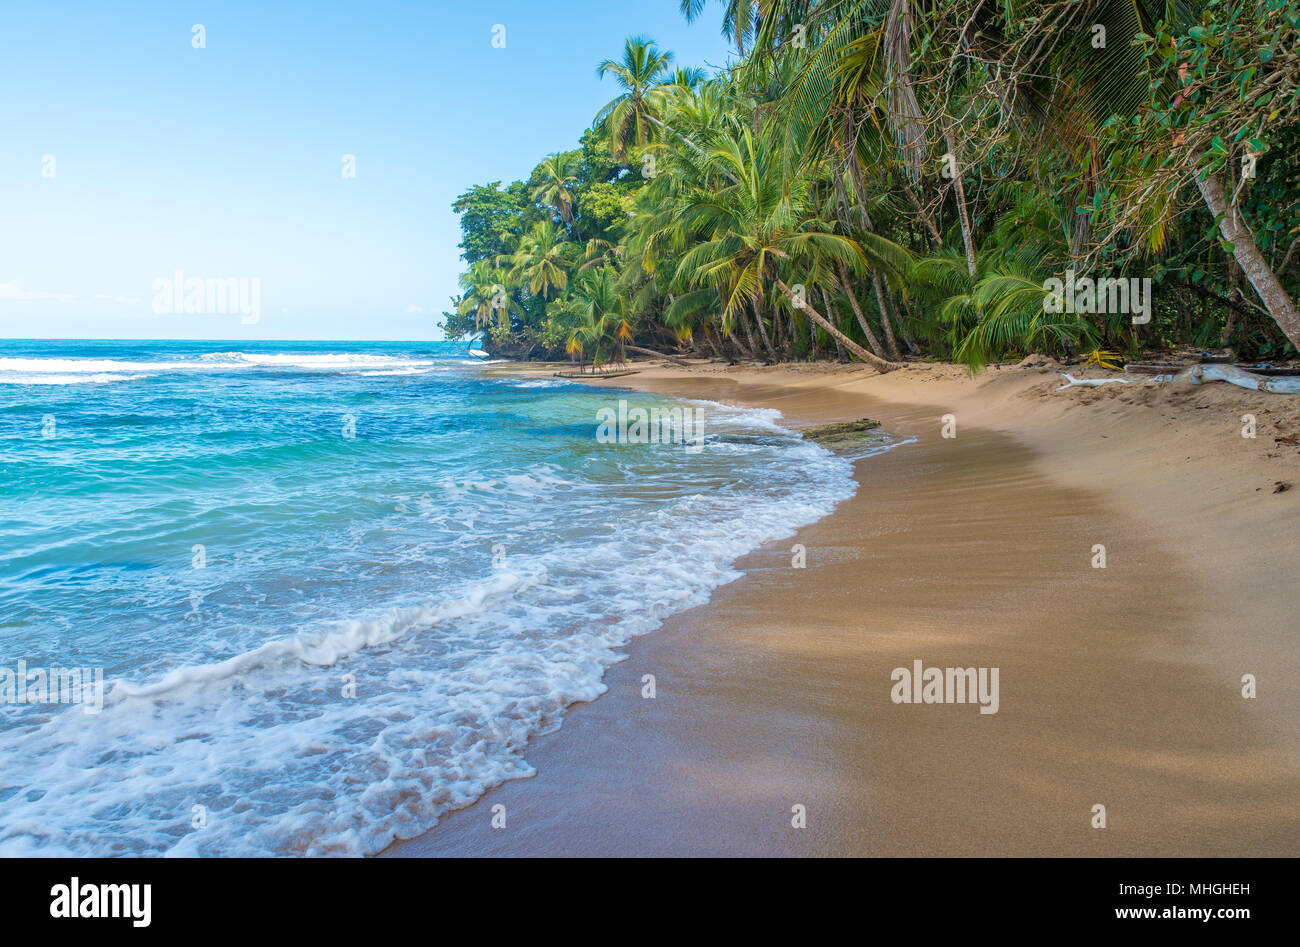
x=333 y=588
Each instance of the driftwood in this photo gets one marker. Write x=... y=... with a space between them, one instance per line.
x=614 y=374
x=1154 y=368
x=672 y=358
x=1071 y=381
x=1202 y=374
x=1281 y=384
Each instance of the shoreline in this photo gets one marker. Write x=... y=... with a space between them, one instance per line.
x=1119 y=686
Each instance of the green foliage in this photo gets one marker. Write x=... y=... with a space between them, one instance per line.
x=601 y=210
x=823 y=163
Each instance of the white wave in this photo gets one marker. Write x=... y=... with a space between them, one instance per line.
x=322 y=361
x=96 y=378
x=327 y=646
x=448 y=691
x=69 y=366
x=396 y=372
x=70 y=371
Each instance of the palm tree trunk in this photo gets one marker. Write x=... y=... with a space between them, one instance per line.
x=752 y=349
x=857 y=310
x=780 y=328
x=879 y=364
x=1252 y=262
x=860 y=193
x=708 y=340
x=762 y=331
x=885 y=323
x=664 y=355
x=925 y=216
x=902 y=326
x=839 y=349
x=960 y=190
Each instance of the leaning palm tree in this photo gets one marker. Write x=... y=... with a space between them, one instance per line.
x=749 y=232
x=632 y=119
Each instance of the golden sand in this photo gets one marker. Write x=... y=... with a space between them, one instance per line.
x=1119 y=687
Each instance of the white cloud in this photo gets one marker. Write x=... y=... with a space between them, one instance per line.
x=10 y=292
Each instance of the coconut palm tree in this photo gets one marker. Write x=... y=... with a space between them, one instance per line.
x=686 y=79
x=556 y=188
x=597 y=314
x=746 y=234
x=486 y=295
x=740 y=19
x=633 y=118
x=542 y=261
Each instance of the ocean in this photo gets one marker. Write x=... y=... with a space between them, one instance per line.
x=333 y=588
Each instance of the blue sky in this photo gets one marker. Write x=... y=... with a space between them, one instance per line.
x=227 y=161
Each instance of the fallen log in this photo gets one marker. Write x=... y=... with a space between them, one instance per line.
x=672 y=358
x=1281 y=385
x=1071 y=381
x=1203 y=374
x=614 y=374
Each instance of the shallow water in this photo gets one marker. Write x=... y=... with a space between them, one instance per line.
x=333 y=587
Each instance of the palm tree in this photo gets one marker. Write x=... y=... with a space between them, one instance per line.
x=740 y=19
x=542 y=261
x=686 y=79
x=631 y=119
x=486 y=295
x=556 y=187
x=746 y=233
x=597 y=314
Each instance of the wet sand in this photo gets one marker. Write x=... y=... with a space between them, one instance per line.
x=1118 y=686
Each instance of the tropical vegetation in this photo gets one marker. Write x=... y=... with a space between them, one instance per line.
x=885 y=180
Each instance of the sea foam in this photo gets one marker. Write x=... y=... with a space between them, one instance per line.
x=382 y=623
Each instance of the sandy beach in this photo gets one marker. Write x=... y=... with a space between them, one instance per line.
x=1119 y=686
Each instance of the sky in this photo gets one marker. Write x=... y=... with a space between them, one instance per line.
x=137 y=153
